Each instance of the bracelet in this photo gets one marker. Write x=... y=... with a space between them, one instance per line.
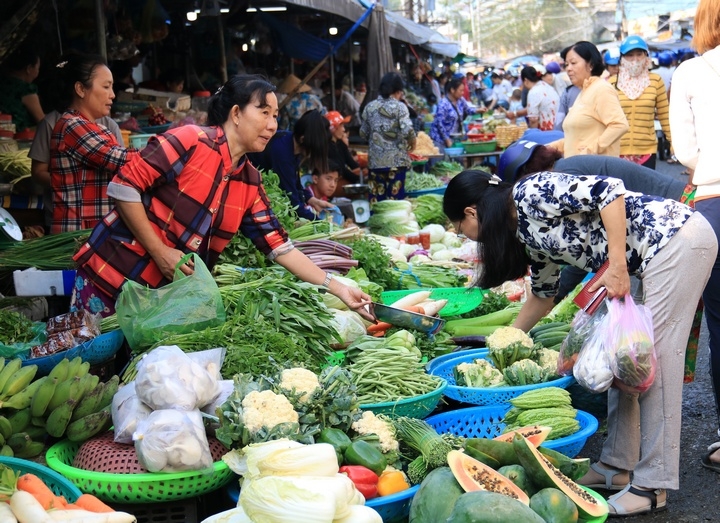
x=328 y=278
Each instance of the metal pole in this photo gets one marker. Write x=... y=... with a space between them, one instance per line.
x=351 y=48
x=332 y=80
x=100 y=26
x=223 y=57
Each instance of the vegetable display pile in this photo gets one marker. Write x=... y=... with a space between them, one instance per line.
x=327 y=254
x=392 y=218
x=416 y=181
x=428 y=209
x=51 y=252
x=547 y=407
x=15 y=327
x=15 y=166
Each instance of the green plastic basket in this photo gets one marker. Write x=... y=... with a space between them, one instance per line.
x=460 y=299
x=136 y=488
x=419 y=407
x=60 y=485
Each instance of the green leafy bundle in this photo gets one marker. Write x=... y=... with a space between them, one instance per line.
x=371 y=257
x=15 y=327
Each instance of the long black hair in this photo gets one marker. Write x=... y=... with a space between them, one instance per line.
x=240 y=90
x=503 y=256
x=312 y=132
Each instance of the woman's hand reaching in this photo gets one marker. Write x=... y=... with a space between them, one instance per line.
x=319 y=205
x=355 y=299
x=168 y=259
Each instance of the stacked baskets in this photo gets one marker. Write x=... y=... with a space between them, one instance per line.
x=507 y=134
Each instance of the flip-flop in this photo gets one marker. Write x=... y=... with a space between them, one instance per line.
x=619 y=511
x=711 y=465
x=608 y=474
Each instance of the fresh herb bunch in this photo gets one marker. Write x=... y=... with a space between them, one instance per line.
x=372 y=257
x=492 y=302
x=15 y=327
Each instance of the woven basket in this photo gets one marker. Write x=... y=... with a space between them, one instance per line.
x=142 y=487
x=419 y=407
x=505 y=135
x=60 y=485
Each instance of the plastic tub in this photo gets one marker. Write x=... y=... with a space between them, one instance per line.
x=418 y=407
x=394 y=506
x=454 y=151
x=479 y=147
x=138 y=141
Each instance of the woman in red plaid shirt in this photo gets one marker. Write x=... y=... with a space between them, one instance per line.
x=84 y=156
x=190 y=190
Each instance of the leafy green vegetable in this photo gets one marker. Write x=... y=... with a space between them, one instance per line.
x=8 y=482
x=492 y=302
x=377 y=265
x=415 y=181
x=368 y=286
x=15 y=327
x=428 y=208
x=427 y=276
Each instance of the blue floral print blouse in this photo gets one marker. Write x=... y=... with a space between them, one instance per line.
x=447 y=118
x=559 y=223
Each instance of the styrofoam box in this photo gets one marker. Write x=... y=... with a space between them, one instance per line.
x=33 y=282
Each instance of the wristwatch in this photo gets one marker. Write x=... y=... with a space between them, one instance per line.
x=328 y=277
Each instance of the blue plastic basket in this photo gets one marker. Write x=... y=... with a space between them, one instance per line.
x=394 y=506
x=435 y=362
x=486 y=396
x=60 y=485
x=95 y=351
x=436 y=190
x=486 y=422
x=419 y=407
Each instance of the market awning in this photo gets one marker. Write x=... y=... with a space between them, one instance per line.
x=349 y=9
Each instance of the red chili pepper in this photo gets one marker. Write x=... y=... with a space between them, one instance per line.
x=364 y=479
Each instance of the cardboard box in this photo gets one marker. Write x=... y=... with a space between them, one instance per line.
x=33 y=282
x=172 y=101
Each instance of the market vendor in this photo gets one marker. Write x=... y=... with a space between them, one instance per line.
x=548 y=219
x=450 y=114
x=18 y=94
x=190 y=190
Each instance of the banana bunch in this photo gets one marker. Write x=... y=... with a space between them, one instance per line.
x=68 y=402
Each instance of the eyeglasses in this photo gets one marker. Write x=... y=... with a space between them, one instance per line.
x=459 y=228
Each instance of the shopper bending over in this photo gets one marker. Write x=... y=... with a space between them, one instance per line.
x=190 y=191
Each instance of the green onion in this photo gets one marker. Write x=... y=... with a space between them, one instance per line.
x=421 y=437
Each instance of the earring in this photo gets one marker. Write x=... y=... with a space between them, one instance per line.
x=237 y=123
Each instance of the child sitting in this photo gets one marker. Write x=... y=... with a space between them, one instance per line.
x=515 y=105
x=323 y=185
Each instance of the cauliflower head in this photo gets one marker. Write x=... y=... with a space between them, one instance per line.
x=507 y=345
x=479 y=373
x=266 y=409
x=301 y=381
x=524 y=372
x=369 y=423
x=548 y=360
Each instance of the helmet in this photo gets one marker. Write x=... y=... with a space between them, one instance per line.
x=665 y=58
x=633 y=42
x=515 y=156
x=553 y=67
x=611 y=57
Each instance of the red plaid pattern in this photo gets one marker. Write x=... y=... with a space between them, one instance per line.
x=83 y=158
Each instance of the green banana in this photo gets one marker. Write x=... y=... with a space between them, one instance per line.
x=10 y=368
x=111 y=388
x=19 y=420
x=36 y=433
x=42 y=397
x=7 y=451
x=19 y=441
x=18 y=381
x=5 y=427
x=89 y=403
x=59 y=418
x=60 y=371
x=83 y=369
x=23 y=399
x=90 y=381
x=2 y=364
x=88 y=426
x=31 y=450
x=37 y=422
x=74 y=367
x=63 y=391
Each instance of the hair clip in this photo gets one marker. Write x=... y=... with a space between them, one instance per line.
x=61 y=64
x=494 y=179
x=219 y=89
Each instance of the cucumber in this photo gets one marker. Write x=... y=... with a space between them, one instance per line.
x=549 y=335
x=548 y=326
x=549 y=341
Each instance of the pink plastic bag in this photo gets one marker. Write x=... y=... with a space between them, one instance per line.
x=631 y=345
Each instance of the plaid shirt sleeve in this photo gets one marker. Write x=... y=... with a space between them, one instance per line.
x=260 y=225
x=93 y=146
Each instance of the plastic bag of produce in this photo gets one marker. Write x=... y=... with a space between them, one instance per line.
x=168 y=378
x=349 y=325
x=172 y=441
x=592 y=369
x=127 y=412
x=189 y=303
x=632 y=346
x=579 y=331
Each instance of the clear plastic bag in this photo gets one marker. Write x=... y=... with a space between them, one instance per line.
x=580 y=329
x=127 y=412
x=187 y=304
x=632 y=346
x=592 y=369
x=172 y=441
x=168 y=378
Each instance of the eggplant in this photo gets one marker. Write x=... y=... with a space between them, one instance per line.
x=472 y=341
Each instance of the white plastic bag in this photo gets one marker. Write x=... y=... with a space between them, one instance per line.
x=168 y=378
x=592 y=369
x=172 y=441
x=127 y=412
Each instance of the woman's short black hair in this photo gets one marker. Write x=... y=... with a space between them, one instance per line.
x=391 y=83
x=588 y=52
x=530 y=73
x=26 y=55
x=503 y=255
x=240 y=90
x=74 y=68
x=312 y=133
x=452 y=84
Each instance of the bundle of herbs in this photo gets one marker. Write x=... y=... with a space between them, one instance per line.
x=52 y=252
x=15 y=327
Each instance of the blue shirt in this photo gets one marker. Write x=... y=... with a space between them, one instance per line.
x=447 y=118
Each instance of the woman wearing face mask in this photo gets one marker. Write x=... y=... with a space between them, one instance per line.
x=642 y=94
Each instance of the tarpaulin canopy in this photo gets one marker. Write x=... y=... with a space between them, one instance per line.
x=379 y=52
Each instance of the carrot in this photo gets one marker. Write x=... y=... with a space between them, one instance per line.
x=379 y=334
x=92 y=504
x=377 y=327
x=32 y=484
x=414 y=308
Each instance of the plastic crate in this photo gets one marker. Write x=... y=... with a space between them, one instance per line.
x=490 y=395
x=60 y=485
x=479 y=147
x=460 y=299
x=176 y=512
x=395 y=506
x=486 y=422
x=419 y=407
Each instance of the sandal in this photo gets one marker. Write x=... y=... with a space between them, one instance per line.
x=638 y=505
x=671 y=160
x=608 y=474
x=711 y=465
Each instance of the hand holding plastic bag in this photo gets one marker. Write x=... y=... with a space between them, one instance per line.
x=592 y=369
x=632 y=346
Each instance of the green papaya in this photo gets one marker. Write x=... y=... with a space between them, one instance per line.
x=429 y=507
x=490 y=507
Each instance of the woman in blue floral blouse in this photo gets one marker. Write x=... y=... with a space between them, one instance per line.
x=387 y=126
x=547 y=220
x=451 y=112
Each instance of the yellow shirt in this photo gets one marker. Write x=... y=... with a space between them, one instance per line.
x=640 y=113
x=595 y=123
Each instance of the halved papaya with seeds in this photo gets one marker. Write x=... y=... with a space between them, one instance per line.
x=535 y=434
x=474 y=475
x=545 y=475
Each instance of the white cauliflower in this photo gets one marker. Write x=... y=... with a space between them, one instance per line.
x=369 y=423
x=507 y=345
x=299 y=380
x=506 y=336
x=548 y=360
x=478 y=373
x=266 y=409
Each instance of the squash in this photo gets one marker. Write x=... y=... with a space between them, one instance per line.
x=436 y=497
